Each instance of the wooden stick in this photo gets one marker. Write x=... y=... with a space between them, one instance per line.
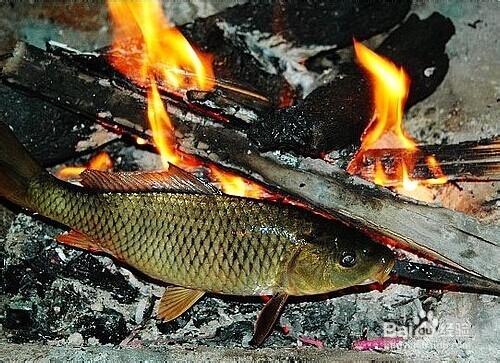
x=451 y=236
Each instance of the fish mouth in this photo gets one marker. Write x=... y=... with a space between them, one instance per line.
x=383 y=274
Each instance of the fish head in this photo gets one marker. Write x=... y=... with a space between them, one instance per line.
x=337 y=261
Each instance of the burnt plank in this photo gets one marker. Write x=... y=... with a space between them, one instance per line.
x=58 y=80
x=314 y=22
x=465 y=161
x=51 y=133
x=334 y=115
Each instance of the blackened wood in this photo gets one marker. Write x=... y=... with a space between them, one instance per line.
x=466 y=161
x=335 y=115
x=234 y=62
x=51 y=133
x=313 y=22
x=449 y=235
x=58 y=80
x=419 y=46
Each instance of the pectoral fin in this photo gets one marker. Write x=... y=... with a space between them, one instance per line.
x=176 y=300
x=268 y=317
x=79 y=240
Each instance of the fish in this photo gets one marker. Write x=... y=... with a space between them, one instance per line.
x=183 y=232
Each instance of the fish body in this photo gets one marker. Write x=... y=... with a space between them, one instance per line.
x=172 y=228
x=213 y=243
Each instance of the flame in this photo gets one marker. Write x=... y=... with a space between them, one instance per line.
x=390 y=91
x=433 y=164
x=379 y=173
x=160 y=49
x=233 y=184
x=101 y=161
x=158 y=55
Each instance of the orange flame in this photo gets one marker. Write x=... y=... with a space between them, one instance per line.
x=390 y=88
x=233 y=184
x=157 y=54
x=101 y=161
x=160 y=49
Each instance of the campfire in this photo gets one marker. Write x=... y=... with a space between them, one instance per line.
x=263 y=118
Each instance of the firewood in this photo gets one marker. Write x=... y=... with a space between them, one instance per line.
x=334 y=115
x=465 y=161
x=306 y=23
x=51 y=133
x=451 y=236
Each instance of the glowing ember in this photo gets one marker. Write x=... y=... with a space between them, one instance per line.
x=158 y=54
x=101 y=161
x=390 y=88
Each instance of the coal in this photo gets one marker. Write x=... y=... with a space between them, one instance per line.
x=108 y=326
x=49 y=291
x=91 y=271
x=334 y=115
x=19 y=314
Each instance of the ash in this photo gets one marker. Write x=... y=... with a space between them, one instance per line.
x=61 y=303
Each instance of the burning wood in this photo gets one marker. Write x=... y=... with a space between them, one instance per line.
x=391 y=86
x=335 y=114
x=467 y=161
x=315 y=181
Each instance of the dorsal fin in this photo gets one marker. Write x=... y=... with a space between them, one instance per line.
x=173 y=179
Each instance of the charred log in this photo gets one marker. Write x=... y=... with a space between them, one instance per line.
x=51 y=133
x=466 y=161
x=306 y=23
x=452 y=236
x=234 y=63
x=334 y=115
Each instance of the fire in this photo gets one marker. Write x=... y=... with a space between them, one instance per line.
x=236 y=185
x=159 y=55
x=101 y=161
x=157 y=48
x=390 y=91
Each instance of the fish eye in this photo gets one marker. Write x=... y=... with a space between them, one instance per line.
x=348 y=259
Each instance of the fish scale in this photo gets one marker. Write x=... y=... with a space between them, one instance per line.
x=181 y=241
x=177 y=229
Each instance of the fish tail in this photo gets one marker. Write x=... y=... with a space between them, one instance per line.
x=17 y=168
